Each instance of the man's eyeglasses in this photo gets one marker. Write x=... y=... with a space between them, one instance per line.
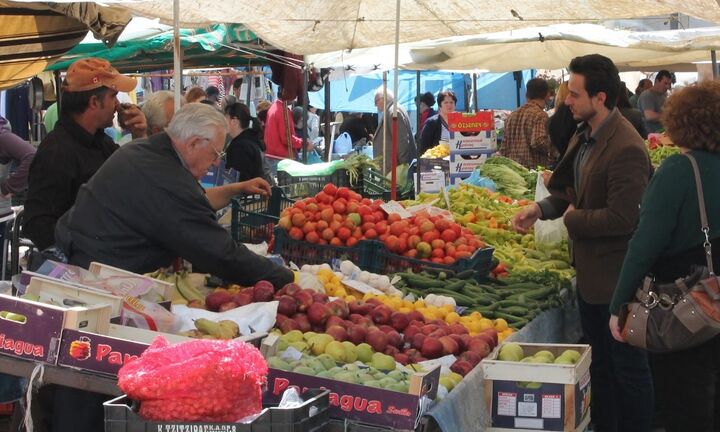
x=220 y=155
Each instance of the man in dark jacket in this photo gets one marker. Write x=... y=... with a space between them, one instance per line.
x=144 y=207
x=596 y=188
x=77 y=146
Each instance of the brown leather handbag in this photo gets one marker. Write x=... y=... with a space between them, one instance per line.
x=683 y=314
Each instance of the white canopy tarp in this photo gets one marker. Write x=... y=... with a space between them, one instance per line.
x=549 y=47
x=318 y=26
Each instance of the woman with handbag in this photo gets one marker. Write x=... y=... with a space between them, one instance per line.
x=669 y=245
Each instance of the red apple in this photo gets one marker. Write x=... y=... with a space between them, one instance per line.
x=417 y=316
x=377 y=339
x=386 y=328
x=291 y=288
x=399 y=321
x=320 y=298
x=338 y=333
x=287 y=305
x=471 y=357
x=493 y=334
x=304 y=299
x=461 y=367
x=227 y=306
x=279 y=319
x=428 y=328
x=458 y=329
x=303 y=321
x=242 y=298
x=216 y=299
x=449 y=345
x=360 y=307
x=318 y=314
x=438 y=333
x=288 y=325
x=374 y=302
x=411 y=331
x=391 y=350
x=356 y=334
x=417 y=341
x=402 y=358
x=395 y=339
x=458 y=340
x=334 y=320
x=431 y=348
x=479 y=346
x=381 y=314
x=339 y=308
x=263 y=292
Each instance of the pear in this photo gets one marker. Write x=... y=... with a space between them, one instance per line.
x=282 y=345
x=511 y=352
x=317 y=365
x=385 y=382
x=364 y=352
x=327 y=361
x=213 y=329
x=300 y=346
x=383 y=362
x=350 y=351
x=319 y=342
x=397 y=375
x=351 y=367
x=305 y=370
x=230 y=328
x=337 y=351
x=278 y=363
x=323 y=374
x=293 y=336
x=571 y=354
x=545 y=353
x=447 y=382
x=373 y=383
x=347 y=376
x=563 y=360
x=309 y=335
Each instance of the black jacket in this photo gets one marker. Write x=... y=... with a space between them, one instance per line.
x=65 y=159
x=356 y=127
x=143 y=208
x=634 y=116
x=431 y=133
x=245 y=156
x=561 y=127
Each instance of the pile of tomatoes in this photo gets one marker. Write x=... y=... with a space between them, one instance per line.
x=342 y=217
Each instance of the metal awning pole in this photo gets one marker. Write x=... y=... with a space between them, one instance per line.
x=713 y=60
x=177 y=54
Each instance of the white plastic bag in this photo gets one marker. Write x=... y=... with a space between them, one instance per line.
x=343 y=144
x=550 y=231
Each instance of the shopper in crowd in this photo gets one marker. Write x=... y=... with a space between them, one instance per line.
x=313 y=123
x=634 y=116
x=195 y=94
x=562 y=124
x=158 y=110
x=596 y=189
x=77 y=146
x=426 y=102
x=212 y=94
x=643 y=85
x=145 y=207
x=278 y=128
x=406 y=150
x=243 y=152
x=19 y=153
x=668 y=243
x=356 y=127
x=526 y=139
x=651 y=101
x=436 y=127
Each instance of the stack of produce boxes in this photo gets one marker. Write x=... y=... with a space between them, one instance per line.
x=474 y=140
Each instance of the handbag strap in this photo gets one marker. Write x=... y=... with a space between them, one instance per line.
x=705 y=227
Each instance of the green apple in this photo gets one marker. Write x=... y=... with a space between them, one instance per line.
x=571 y=354
x=511 y=352
x=545 y=353
x=563 y=360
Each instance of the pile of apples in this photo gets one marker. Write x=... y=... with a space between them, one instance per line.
x=223 y=299
x=407 y=337
x=341 y=217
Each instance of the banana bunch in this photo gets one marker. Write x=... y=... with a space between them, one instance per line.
x=438 y=152
x=208 y=329
x=185 y=292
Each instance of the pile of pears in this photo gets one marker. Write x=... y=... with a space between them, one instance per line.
x=514 y=352
x=209 y=329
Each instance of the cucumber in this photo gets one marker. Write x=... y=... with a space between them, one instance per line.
x=509 y=318
x=421 y=282
x=454 y=285
x=517 y=311
x=465 y=274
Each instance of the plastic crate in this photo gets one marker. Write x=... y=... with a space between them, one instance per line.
x=386 y=262
x=339 y=178
x=301 y=252
x=374 y=185
x=312 y=416
x=253 y=218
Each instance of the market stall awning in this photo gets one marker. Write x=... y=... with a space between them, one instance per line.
x=317 y=26
x=34 y=35
x=548 y=47
x=213 y=46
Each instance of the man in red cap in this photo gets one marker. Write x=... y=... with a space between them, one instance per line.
x=77 y=146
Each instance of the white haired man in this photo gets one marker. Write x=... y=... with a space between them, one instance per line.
x=144 y=207
x=406 y=150
x=159 y=110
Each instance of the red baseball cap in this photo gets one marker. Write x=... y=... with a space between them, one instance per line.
x=91 y=73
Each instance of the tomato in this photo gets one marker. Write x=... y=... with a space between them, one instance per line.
x=449 y=249
x=312 y=237
x=371 y=234
x=309 y=226
x=437 y=253
x=296 y=233
x=338 y=217
x=322 y=241
x=352 y=241
x=448 y=260
x=368 y=218
x=285 y=222
x=448 y=235
x=336 y=242
x=344 y=233
x=321 y=225
x=364 y=210
x=392 y=243
x=327 y=215
x=442 y=224
x=352 y=207
x=437 y=244
x=424 y=250
x=437 y=260
x=330 y=189
x=335 y=225
x=324 y=198
x=379 y=215
x=461 y=255
x=413 y=230
x=383 y=237
x=393 y=217
x=368 y=226
x=381 y=227
x=366 y=201
x=402 y=245
x=413 y=241
x=357 y=233
x=397 y=227
x=298 y=219
x=430 y=236
x=300 y=205
x=426 y=226
x=411 y=253
x=328 y=234
x=339 y=207
x=343 y=192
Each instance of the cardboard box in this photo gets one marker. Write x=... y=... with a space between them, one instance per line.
x=464 y=165
x=471 y=122
x=480 y=143
x=37 y=337
x=165 y=289
x=356 y=402
x=105 y=353
x=53 y=291
x=559 y=400
x=432 y=175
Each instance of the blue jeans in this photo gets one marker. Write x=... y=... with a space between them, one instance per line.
x=622 y=398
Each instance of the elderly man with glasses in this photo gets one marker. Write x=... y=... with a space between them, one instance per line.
x=145 y=207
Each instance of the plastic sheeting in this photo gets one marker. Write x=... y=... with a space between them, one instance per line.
x=549 y=47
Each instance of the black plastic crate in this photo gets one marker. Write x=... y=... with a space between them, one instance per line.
x=253 y=218
x=339 y=178
x=121 y=415
x=301 y=252
x=376 y=186
x=386 y=262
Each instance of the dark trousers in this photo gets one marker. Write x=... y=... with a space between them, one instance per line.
x=686 y=387
x=622 y=397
